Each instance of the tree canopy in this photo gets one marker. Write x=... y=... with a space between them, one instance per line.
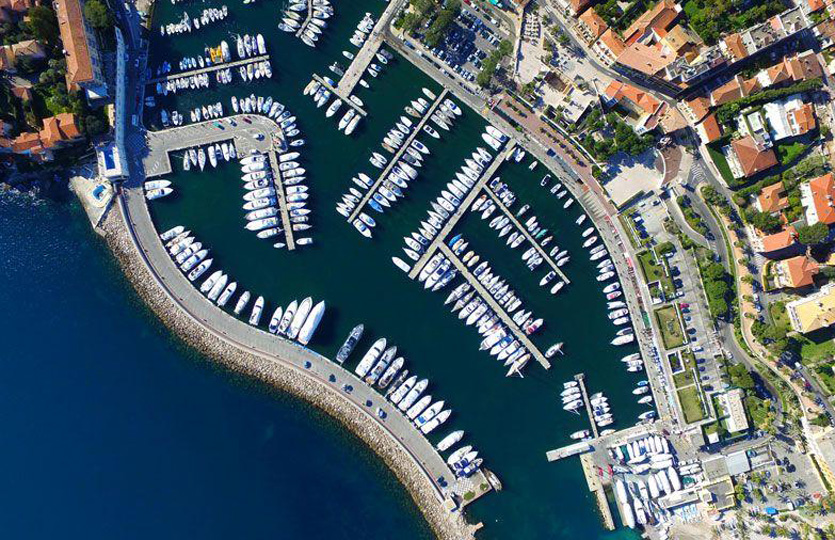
x=812 y=234
x=98 y=14
x=44 y=24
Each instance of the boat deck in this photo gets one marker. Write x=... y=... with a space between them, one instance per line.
x=518 y=333
x=524 y=232
x=395 y=158
x=440 y=238
x=209 y=69
x=365 y=56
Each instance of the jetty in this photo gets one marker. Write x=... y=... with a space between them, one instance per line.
x=396 y=157
x=209 y=69
x=366 y=54
x=485 y=295
x=567 y=451
x=581 y=381
x=596 y=487
x=460 y=211
x=524 y=232
x=345 y=98
x=307 y=18
x=282 y=201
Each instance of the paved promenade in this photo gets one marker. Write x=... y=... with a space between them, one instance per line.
x=461 y=210
x=209 y=69
x=156 y=160
x=395 y=158
x=259 y=342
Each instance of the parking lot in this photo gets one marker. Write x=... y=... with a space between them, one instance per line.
x=467 y=44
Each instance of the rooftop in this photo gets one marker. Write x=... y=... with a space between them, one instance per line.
x=778 y=241
x=772 y=198
x=813 y=312
x=820 y=195
x=594 y=23
x=709 y=129
x=74 y=39
x=753 y=156
x=798 y=271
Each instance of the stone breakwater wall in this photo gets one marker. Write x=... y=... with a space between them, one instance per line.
x=446 y=525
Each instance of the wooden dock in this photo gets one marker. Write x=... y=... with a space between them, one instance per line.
x=209 y=69
x=395 y=158
x=524 y=232
x=282 y=201
x=460 y=211
x=485 y=295
x=581 y=381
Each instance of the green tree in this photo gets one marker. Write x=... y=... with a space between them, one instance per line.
x=812 y=234
x=44 y=24
x=765 y=221
x=98 y=15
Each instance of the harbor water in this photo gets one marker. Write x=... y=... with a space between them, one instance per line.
x=111 y=429
x=512 y=422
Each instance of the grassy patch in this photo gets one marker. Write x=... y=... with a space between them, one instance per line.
x=671 y=332
x=816 y=346
x=654 y=270
x=826 y=376
x=779 y=316
x=721 y=163
x=757 y=411
x=691 y=404
x=788 y=153
x=687 y=365
x=626 y=223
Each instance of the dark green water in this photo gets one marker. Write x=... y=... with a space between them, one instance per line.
x=512 y=422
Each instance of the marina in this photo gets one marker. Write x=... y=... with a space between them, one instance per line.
x=208 y=69
x=360 y=285
x=396 y=157
x=442 y=235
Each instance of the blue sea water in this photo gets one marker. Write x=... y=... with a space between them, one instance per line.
x=111 y=429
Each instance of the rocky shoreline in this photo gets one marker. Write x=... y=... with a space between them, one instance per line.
x=446 y=525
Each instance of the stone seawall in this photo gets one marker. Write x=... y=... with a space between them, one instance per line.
x=446 y=525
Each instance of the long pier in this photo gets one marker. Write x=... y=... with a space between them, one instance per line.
x=460 y=211
x=596 y=487
x=282 y=200
x=396 y=157
x=494 y=305
x=366 y=54
x=344 y=97
x=524 y=231
x=209 y=69
x=581 y=381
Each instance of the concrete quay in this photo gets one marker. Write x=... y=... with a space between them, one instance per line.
x=306 y=19
x=209 y=69
x=459 y=212
x=395 y=158
x=596 y=487
x=365 y=56
x=304 y=366
x=485 y=295
x=524 y=232
x=282 y=201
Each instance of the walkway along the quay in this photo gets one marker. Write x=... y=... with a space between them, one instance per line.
x=258 y=342
x=395 y=158
x=462 y=209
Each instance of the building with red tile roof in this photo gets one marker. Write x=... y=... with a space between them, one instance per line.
x=14 y=9
x=796 y=272
x=818 y=199
x=592 y=25
x=698 y=107
x=753 y=156
x=709 y=129
x=734 y=47
x=648 y=108
x=657 y=19
x=58 y=131
x=772 y=199
x=84 y=64
x=777 y=242
x=609 y=46
x=10 y=54
x=730 y=91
